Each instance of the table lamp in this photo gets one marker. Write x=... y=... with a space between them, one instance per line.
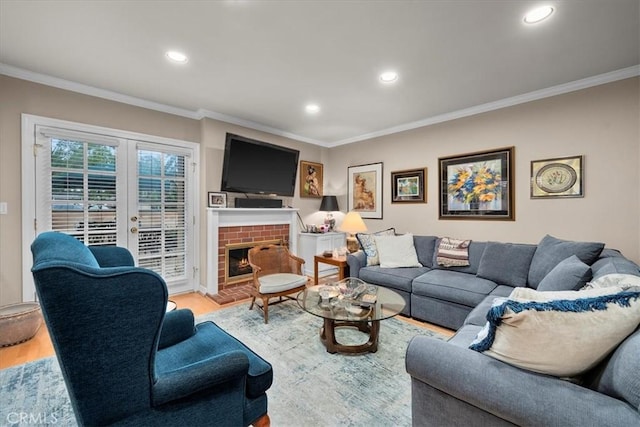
x=353 y=224
x=329 y=204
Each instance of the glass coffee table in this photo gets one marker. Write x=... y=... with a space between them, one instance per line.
x=341 y=307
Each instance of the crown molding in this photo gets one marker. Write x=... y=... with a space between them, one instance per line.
x=585 y=83
x=600 y=79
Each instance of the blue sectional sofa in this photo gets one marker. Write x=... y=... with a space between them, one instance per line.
x=446 y=295
x=453 y=385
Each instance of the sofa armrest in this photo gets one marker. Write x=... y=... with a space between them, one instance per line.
x=356 y=261
x=516 y=395
x=231 y=367
x=178 y=325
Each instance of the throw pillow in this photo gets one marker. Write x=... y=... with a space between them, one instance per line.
x=506 y=263
x=558 y=333
x=368 y=244
x=570 y=275
x=551 y=251
x=397 y=251
x=624 y=281
x=453 y=252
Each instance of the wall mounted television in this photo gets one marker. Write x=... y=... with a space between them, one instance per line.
x=258 y=167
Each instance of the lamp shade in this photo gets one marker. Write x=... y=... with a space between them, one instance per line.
x=353 y=223
x=329 y=204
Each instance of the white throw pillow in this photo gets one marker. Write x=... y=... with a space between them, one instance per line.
x=397 y=251
x=625 y=281
x=562 y=333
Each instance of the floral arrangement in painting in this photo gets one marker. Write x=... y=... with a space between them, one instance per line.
x=475 y=183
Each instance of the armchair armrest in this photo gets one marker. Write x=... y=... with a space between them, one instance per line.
x=178 y=325
x=516 y=395
x=112 y=256
x=195 y=377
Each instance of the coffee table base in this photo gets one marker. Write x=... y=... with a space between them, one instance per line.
x=328 y=336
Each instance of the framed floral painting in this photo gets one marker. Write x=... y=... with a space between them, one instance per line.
x=311 y=179
x=477 y=185
x=364 y=190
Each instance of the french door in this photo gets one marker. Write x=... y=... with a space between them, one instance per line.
x=114 y=190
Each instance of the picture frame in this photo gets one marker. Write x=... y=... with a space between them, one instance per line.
x=311 y=177
x=409 y=186
x=216 y=200
x=561 y=177
x=477 y=185
x=364 y=190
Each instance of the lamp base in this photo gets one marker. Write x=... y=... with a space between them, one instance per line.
x=352 y=244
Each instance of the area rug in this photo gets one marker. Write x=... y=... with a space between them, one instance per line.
x=311 y=387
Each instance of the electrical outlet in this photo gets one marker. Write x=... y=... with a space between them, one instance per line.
x=3 y=208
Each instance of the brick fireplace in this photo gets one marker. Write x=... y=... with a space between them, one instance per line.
x=238 y=226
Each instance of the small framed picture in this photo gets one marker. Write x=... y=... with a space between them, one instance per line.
x=310 y=179
x=217 y=200
x=409 y=186
x=560 y=177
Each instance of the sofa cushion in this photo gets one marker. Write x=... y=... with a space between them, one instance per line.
x=395 y=278
x=368 y=244
x=620 y=376
x=453 y=286
x=476 y=249
x=506 y=263
x=425 y=249
x=570 y=275
x=397 y=251
x=624 y=281
x=478 y=315
x=610 y=262
x=551 y=251
x=558 y=333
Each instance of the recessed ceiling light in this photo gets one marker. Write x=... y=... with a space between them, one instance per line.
x=312 y=108
x=388 y=77
x=538 y=15
x=176 y=56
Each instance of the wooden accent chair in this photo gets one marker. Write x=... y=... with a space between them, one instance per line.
x=276 y=273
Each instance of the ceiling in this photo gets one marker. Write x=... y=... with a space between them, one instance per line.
x=258 y=63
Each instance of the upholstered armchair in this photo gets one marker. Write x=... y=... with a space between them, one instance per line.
x=125 y=361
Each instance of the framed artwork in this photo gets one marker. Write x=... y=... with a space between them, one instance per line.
x=364 y=190
x=217 y=200
x=409 y=186
x=477 y=185
x=310 y=179
x=560 y=177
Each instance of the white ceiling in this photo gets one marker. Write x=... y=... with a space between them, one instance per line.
x=257 y=63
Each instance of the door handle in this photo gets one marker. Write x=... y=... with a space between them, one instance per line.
x=134 y=218
x=134 y=229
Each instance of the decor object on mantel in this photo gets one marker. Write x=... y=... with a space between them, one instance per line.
x=329 y=204
x=352 y=224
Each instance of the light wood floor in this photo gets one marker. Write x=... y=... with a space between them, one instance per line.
x=40 y=345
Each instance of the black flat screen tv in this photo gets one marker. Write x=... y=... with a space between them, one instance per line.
x=258 y=167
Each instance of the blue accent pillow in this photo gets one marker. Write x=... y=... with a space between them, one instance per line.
x=551 y=251
x=570 y=275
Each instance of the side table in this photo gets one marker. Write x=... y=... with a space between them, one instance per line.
x=340 y=262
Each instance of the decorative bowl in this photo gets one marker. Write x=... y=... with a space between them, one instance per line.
x=19 y=322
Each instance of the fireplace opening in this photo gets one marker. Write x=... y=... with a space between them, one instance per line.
x=237 y=268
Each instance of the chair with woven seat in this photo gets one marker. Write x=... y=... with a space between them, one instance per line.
x=276 y=274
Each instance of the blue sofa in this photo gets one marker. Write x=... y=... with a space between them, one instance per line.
x=125 y=361
x=446 y=295
x=452 y=385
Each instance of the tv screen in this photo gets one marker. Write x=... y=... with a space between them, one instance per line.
x=258 y=167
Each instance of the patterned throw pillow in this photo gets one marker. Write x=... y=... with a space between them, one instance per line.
x=368 y=244
x=453 y=252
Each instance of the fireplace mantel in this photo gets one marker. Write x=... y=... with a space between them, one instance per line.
x=237 y=217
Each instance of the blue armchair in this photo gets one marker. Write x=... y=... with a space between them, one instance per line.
x=127 y=362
